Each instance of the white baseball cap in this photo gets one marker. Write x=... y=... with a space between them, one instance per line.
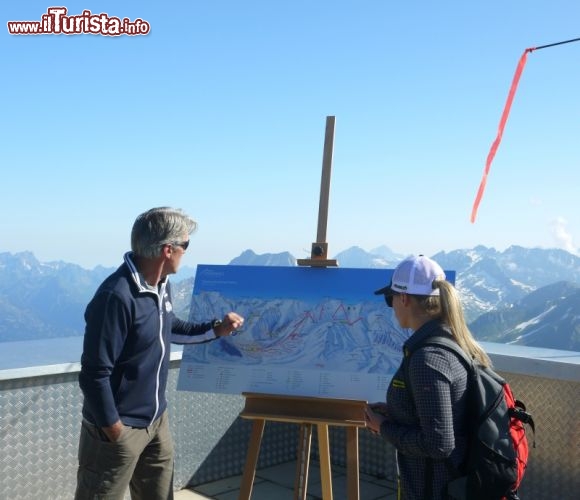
x=415 y=276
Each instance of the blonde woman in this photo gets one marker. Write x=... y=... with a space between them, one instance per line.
x=425 y=416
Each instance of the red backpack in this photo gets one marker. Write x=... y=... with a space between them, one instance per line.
x=497 y=453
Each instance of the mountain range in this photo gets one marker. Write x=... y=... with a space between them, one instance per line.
x=522 y=296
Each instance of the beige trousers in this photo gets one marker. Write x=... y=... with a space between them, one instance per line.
x=141 y=460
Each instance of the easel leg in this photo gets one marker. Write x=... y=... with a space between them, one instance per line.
x=352 y=472
x=251 y=460
x=324 y=451
x=303 y=462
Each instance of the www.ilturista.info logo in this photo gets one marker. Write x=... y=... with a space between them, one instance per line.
x=56 y=22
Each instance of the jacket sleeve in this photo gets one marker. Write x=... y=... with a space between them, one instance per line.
x=107 y=324
x=430 y=378
x=184 y=332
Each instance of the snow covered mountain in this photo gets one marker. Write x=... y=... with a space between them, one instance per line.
x=526 y=296
x=549 y=316
x=521 y=295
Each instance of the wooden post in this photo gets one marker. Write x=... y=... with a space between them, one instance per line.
x=303 y=462
x=252 y=459
x=319 y=251
x=352 y=473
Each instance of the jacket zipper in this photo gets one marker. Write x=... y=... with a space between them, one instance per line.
x=160 y=306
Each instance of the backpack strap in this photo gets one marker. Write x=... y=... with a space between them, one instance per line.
x=518 y=411
x=450 y=345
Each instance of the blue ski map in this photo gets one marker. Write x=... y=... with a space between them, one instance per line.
x=308 y=332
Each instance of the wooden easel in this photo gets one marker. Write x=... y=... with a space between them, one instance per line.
x=309 y=411
x=306 y=411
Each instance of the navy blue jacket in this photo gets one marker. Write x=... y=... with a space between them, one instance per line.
x=125 y=360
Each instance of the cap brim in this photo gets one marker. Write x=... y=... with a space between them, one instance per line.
x=385 y=291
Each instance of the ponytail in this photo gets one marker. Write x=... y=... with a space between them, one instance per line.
x=447 y=307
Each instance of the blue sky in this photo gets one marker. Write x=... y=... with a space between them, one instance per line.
x=220 y=110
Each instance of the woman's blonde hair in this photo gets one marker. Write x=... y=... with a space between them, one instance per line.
x=447 y=307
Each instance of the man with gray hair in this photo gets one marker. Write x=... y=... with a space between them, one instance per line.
x=130 y=323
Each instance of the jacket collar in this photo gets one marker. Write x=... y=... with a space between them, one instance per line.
x=138 y=279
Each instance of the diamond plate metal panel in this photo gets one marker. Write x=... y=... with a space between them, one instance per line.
x=211 y=441
x=40 y=423
x=376 y=457
x=38 y=437
x=555 y=461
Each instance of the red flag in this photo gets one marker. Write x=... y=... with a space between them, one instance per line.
x=502 y=122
